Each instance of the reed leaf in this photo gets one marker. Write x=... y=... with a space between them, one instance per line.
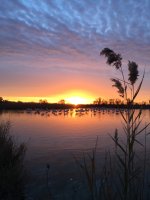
x=121 y=160
x=137 y=117
x=123 y=117
x=139 y=142
x=131 y=116
x=137 y=126
x=142 y=129
x=123 y=150
x=138 y=89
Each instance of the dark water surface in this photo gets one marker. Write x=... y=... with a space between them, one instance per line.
x=56 y=137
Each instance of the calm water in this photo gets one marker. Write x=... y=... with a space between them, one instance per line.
x=55 y=137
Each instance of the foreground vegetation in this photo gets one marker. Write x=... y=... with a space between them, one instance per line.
x=11 y=166
x=125 y=174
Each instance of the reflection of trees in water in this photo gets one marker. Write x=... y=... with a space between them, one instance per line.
x=79 y=112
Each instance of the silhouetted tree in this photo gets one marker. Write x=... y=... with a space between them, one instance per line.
x=1 y=99
x=97 y=101
x=111 y=101
x=62 y=101
x=43 y=101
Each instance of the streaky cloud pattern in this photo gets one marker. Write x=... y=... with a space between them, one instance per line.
x=47 y=44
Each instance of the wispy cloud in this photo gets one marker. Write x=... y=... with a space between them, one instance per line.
x=68 y=35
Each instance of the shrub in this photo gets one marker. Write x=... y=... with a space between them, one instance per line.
x=11 y=165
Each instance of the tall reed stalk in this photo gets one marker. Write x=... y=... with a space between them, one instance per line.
x=130 y=176
x=124 y=172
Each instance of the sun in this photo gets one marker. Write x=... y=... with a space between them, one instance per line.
x=77 y=100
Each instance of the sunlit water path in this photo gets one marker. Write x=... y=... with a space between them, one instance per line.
x=56 y=136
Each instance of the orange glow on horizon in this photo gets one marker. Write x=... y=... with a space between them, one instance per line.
x=77 y=100
x=72 y=97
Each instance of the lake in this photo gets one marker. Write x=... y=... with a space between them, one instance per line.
x=55 y=137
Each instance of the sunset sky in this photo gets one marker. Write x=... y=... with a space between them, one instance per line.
x=50 y=48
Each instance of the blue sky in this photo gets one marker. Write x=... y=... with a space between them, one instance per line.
x=49 y=47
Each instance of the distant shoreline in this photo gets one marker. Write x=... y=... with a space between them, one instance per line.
x=9 y=105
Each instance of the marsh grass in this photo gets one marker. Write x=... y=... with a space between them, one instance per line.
x=88 y=167
x=124 y=172
x=11 y=165
x=130 y=174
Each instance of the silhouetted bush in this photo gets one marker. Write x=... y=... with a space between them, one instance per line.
x=11 y=165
